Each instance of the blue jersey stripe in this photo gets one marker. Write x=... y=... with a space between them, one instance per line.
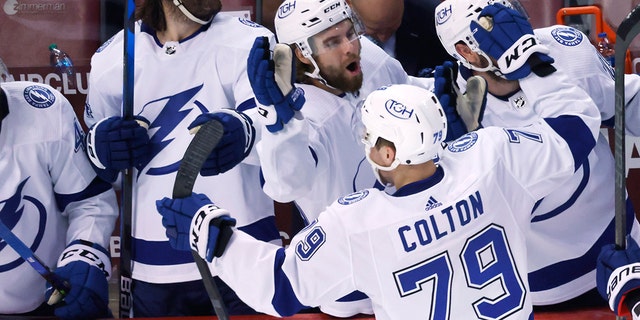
x=284 y=299
x=96 y=187
x=577 y=135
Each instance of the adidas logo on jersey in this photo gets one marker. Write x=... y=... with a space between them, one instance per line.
x=432 y=203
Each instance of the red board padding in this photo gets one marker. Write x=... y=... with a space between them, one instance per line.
x=584 y=314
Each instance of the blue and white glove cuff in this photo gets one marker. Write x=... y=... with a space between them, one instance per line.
x=88 y=252
x=519 y=52
x=199 y=230
x=247 y=124
x=91 y=146
x=618 y=278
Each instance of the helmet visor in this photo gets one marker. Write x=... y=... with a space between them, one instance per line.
x=334 y=37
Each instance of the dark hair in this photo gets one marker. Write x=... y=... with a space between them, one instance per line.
x=150 y=12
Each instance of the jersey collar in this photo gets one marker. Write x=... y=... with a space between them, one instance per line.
x=421 y=185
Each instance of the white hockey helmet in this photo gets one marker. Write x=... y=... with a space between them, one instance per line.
x=296 y=21
x=453 y=18
x=411 y=117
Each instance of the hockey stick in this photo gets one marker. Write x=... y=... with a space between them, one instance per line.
x=206 y=138
x=627 y=31
x=61 y=286
x=126 y=216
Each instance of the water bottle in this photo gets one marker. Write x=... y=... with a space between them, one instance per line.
x=61 y=61
x=606 y=49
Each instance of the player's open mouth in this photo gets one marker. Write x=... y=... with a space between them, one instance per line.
x=354 y=67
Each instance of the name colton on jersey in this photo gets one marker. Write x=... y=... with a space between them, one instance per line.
x=435 y=227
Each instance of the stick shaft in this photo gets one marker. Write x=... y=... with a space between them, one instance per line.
x=126 y=216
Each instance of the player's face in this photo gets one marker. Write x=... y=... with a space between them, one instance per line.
x=337 y=53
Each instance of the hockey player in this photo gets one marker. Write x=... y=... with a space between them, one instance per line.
x=312 y=158
x=51 y=200
x=565 y=276
x=448 y=244
x=190 y=60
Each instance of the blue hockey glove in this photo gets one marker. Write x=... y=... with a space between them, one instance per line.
x=618 y=274
x=508 y=37
x=235 y=144
x=114 y=144
x=464 y=111
x=190 y=220
x=272 y=83
x=86 y=266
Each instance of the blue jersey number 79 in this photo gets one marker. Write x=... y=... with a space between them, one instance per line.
x=486 y=258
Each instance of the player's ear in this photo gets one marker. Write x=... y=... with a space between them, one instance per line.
x=388 y=153
x=300 y=56
x=464 y=51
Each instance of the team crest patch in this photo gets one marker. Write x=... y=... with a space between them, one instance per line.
x=39 y=96
x=249 y=23
x=353 y=198
x=463 y=143
x=567 y=36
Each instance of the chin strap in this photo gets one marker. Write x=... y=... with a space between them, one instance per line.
x=186 y=12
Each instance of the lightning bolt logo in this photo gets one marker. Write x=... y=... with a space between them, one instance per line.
x=12 y=212
x=173 y=110
x=39 y=96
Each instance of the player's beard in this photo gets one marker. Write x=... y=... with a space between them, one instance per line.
x=338 y=78
x=203 y=9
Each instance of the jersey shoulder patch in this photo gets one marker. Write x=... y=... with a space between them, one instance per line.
x=39 y=96
x=463 y=143
x=353 y=197
x=567 y=36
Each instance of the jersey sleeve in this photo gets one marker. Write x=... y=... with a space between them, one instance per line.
x=578 y=58
x=313 y=270
x=88 y=202
x=104 y=96
x=544 y=154
x=292 y=160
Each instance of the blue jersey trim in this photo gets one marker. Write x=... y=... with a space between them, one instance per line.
x=264 y=229
x=419 y=186
x=284 y=300
x=577 y=135
x=586 y=171
x=565 y=271
x=246 y=105
x=353 y=296
x=96 y=187
x=160 y=253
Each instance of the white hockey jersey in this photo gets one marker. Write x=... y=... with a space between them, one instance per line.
x=49 y=195
x=571 y=224
x=174 y=84
x=448 y=247
x=318 y=158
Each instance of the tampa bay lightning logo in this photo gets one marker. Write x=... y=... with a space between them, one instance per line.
x=167 y=113
x=39 y=96
x=463 y=143
x=249 y=23
x=353 y=198
x=567 y=36
x=11 y=213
